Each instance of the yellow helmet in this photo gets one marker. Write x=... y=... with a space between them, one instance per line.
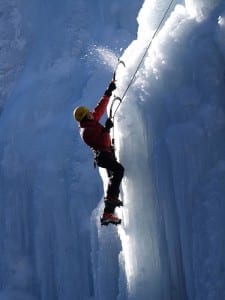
x=80 y=112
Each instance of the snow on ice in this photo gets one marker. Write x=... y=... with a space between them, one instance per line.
x=169 y=134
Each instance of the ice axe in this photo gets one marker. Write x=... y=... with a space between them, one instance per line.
x=117 y=65
x=111 y=114
x=116 y=98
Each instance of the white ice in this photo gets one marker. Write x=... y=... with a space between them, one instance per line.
x=169 y=133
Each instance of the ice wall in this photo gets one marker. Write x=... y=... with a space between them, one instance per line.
x=48 y=187
x=170 y=135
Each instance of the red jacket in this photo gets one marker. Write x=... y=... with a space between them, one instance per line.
x=92 y=132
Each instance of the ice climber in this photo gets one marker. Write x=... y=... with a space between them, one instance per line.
x=97 y=137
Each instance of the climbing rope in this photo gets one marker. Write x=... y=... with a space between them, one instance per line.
x=120 y=99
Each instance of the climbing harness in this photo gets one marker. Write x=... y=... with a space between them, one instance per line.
x=119 y=100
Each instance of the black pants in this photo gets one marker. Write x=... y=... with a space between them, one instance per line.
x=115 y=172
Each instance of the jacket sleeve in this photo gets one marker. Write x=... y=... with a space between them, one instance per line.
x=100 y=108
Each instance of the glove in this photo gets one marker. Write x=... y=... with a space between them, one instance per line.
x=108 y=125
x=111 y=87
